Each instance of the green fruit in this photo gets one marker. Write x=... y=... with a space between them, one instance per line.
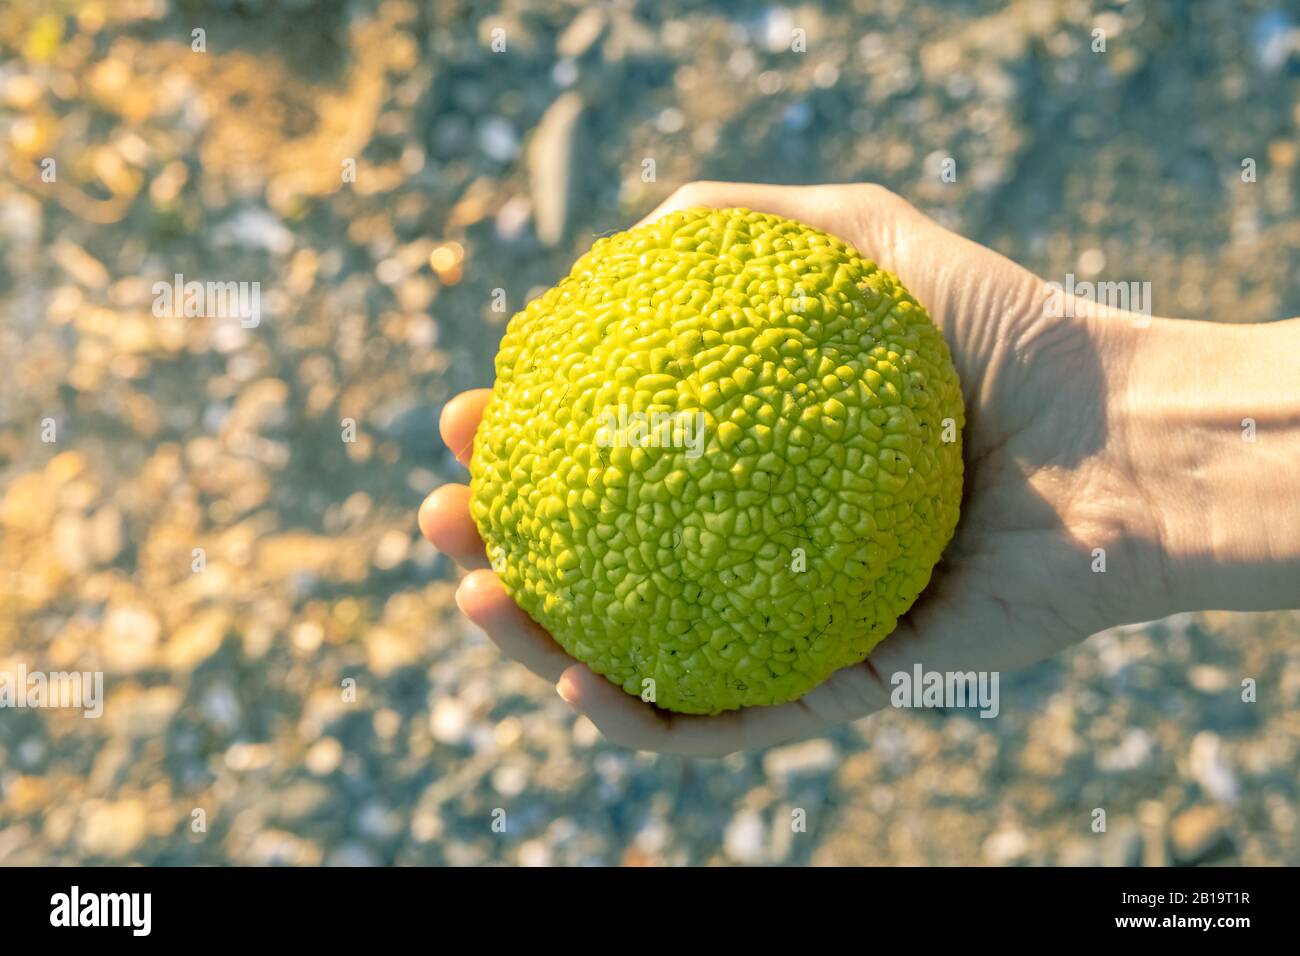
x=721 y=458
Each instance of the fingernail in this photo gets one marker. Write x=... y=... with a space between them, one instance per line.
x=568 y=693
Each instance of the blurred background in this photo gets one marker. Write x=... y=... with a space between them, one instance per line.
x=398 y=177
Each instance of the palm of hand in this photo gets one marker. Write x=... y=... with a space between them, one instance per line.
x=1016 y=583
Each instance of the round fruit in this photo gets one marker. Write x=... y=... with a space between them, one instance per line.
x=720 y=459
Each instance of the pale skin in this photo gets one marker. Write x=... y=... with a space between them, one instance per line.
x=1092 y=430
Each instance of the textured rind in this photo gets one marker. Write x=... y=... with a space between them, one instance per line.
x=824 y=495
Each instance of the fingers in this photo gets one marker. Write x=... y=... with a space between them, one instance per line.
x=444 y=515
x=444 y=519
x=805 y=203
x=875 y=221
x=629 y=722
x=459 y=421
x=482 y=599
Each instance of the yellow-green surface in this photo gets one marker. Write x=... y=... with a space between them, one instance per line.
x=744 y=569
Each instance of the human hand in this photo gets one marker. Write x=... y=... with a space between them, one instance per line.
x=1052 y=481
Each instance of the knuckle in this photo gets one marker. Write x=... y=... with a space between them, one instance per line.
x=689 y=193
x=877 y=193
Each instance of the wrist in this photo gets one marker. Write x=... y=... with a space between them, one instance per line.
x=1205 y=418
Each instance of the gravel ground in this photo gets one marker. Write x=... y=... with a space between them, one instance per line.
x=220 y=518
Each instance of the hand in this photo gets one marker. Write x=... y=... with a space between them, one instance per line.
x=1051 y=477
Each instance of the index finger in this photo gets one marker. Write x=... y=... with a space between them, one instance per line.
x=803 y=203
x=459 y=420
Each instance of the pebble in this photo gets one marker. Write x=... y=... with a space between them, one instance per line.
x=1210 y=768
x=254 y=228
x=113 y=829
x=1199 y=835
x=142 y=713
x=1133 y=752
x=1274 y=37
x=513 y=217
x=810 y=758
x=1209 y=680
x=1006 y=846
x=197 y=639
x=449 y=721
x=582 y=33
x=552 y=160
x=130 y=638
x=498 y=139
x=324 y=756
x=745 y=840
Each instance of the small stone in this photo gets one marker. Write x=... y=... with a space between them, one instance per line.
x=388 y=649
x=449 y=722
x=220 y=707
x=392 y=549
x=585 y=733
x=31 y=752
x=130 y=638
x=79 y=264
x=196 y=640
x=510 y=780
x=104 y=534
x=261 y=406
x=564 y=74
x=324 y=756
x=1273 y=37
x=1199 y=835
x=534 y=853
x=1208 y=680
x=1132 y=753
x=140 y=714
x=512 y=217
x=378 y=821
x=778 y=29
x=670 y=120
x=69 y=538
x=1210 y=769
x=745 y=837
x=582 y=33
x=114 y=830
x=254 y=228
x=809 y=758
x=1006 y=846
x=551 y=160
x=498 y=139
x=243 y=757
x=300 y=801
x=783 y=834
x=279 y=556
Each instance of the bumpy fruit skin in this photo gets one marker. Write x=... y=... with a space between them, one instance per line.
x=825 y=491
